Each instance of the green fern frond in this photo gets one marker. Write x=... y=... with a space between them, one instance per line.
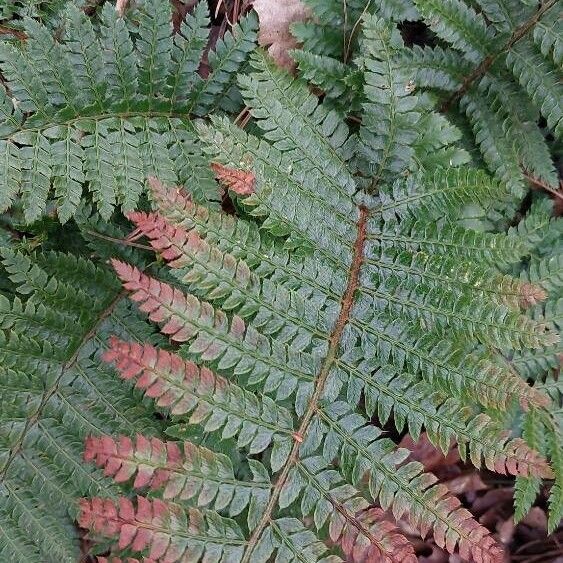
x=501 y=69
x=543 y=430
x=345 y=287
x=539 y=78
x=388 y=127
x=459 y=25
x=506 y=15
x=105 y=109
x=340 y=84
x=548 y=35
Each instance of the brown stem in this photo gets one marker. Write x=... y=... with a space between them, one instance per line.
x=486 y=63
x=333 y=344
x=539 y=184
x=120 y=241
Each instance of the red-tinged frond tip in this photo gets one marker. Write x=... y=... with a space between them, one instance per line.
x=531 y=294
x=454 y=526
x=520 y=459
x=173 y=382
x=151 y=460
x=161 y=191
x=169 y=197
x=173 y=243
x=239 y=181
x=373 y=539
x=180 y=315
x=124 y=271
x=149 y=525
x=529 y=396
x=162 y=302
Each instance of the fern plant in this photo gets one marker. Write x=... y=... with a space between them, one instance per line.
x=97 y=110
x=54 y=392
x=543 y=430
x=12 y=12
x=495 y=70
x=346 y=289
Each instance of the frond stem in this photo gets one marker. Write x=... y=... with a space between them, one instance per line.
x=487 y=62
x=330 y=358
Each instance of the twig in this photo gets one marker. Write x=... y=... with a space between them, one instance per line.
x=120 y=241
x=353 y=32
x=243 y=117
x=236 y=11
x=15 y=32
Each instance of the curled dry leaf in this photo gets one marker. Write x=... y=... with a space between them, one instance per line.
x=276 y=17
x=121 y=6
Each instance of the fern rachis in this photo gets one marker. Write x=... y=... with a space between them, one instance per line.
x=258 y=317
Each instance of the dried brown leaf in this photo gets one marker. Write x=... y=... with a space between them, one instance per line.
x=431 y=457
x=121 y=6
x=469 y=482
x=276 y=17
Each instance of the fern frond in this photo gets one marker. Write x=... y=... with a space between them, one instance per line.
x=326 y=34
x=357 y=549
x=548 y=34
x=164 y=530
x=414 y=405
x=361 y=532
x=506 y=15
x=333 y=77
x=211 y=401
x=431 y=195
x=499 y=153
x=278 y=103
x=119 y=58
x=539 y=78
x=486 y=40
x=54 y=393
x=542 y=429
x=388 y=128
x=443 y=69
x=458 y=24
x=103 y=109
x=225 y=61
x=187 y=52
x=519 y=117
x=547 y=273
x=83 y=48
x=183 y=472
x=291 y=541
x=361 y=452
x=345 y=287
x=154 y=47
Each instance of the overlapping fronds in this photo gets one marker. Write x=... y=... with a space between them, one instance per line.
x=389 y=308
x=346 y=290
x=497 y=75
x=55 y=391
x=501 y=73
x=92 y=112
x=12 y=13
